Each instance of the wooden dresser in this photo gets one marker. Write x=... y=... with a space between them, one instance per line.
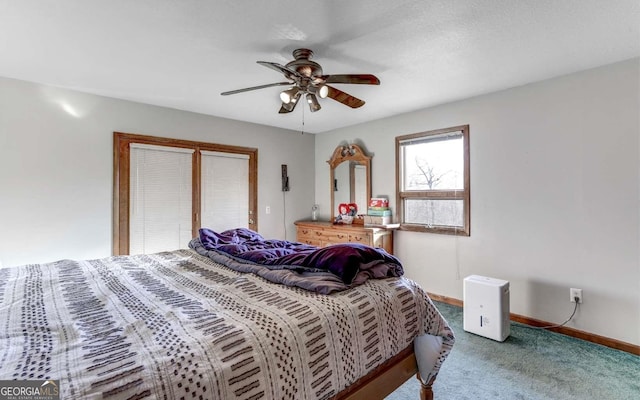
x=321 y=234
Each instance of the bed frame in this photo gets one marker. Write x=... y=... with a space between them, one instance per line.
x=386 y=378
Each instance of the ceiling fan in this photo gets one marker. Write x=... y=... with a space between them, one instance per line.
x=307 y=80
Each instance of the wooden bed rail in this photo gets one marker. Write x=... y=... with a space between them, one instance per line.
x=386 y=378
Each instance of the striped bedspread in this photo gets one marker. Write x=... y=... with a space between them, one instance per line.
x=178 y=325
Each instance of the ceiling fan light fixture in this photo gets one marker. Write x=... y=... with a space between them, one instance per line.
x=292 y=102
x=313 y=102
x=323 y=91
x=290 y=95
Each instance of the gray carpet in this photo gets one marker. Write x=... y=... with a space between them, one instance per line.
x=530 y=364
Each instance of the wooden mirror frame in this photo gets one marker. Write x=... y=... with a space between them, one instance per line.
x=348 y=153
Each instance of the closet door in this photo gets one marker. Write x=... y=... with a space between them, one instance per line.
x=224 y=190
x=165 y=189
x=160 y=206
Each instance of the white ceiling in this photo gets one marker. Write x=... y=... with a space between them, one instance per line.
x=183 y=54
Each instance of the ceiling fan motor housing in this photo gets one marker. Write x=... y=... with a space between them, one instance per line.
x=303 y=64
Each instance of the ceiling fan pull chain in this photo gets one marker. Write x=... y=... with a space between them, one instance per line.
x=302 y=132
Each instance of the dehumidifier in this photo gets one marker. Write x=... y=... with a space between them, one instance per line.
x=486 y=307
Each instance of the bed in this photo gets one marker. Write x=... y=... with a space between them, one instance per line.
x=192 y=324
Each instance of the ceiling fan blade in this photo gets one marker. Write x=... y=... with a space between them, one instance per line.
x=360 y=79
x=255 y=88
x=344 y=98
x=288 y=72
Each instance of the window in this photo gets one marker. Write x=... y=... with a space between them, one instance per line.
x=432 y=177
x=167 y=189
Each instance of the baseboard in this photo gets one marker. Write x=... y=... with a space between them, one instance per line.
x=576 y=333
x=445 y=299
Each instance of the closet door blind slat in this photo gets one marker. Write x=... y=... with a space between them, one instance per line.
x=161 y=198
x=225 y=190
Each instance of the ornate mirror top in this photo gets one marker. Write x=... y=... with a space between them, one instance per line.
x=351 y=152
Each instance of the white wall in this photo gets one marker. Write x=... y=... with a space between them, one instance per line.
x=56 y=168
x=555 y=180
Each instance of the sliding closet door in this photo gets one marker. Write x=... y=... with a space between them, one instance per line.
x=224 y=190
x=165 y=190
x=160 y=204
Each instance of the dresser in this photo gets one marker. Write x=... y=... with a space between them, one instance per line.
x=321 y=234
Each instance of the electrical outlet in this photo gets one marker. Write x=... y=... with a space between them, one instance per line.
x=573 y=293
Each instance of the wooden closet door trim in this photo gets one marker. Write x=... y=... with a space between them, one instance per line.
x=121 y=187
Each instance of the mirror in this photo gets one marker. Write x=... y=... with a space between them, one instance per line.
x=350 y=178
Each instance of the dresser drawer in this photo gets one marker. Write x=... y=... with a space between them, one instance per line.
x=323 y=234
x=321 y=237
x=305 y=232
x=334 y=237
x=310 y=242
x=362 y=238
x=307 y=236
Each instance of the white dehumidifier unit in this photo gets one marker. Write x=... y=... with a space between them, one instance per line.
x=486 y=307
